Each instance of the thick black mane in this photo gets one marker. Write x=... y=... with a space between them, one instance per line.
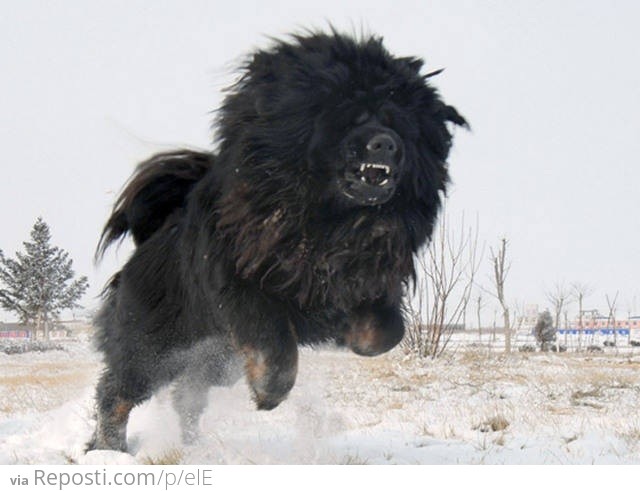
x=272 y=215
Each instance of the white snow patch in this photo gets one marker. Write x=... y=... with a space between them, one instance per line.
x=468 y=408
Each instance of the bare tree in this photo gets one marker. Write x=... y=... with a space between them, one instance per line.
x=559 y=297
x=611 y=319
x=517 y=317
x=493 y=326
x=479 y=305
x=500 y=272
x=580 y=292
x=445 y=279
x=566 y=329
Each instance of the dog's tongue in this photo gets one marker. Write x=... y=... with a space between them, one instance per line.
x=373 y=175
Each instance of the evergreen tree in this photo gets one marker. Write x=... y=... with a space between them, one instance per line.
x=39 y=283
x=545 y=332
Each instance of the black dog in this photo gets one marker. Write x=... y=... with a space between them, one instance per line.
x=300 y=229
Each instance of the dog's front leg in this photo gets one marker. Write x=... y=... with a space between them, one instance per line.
x=374 y=329
x=264 y=335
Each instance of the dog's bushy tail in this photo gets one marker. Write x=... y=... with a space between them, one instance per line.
x=158 y=187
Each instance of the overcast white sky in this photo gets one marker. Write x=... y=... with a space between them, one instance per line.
x=551 y=89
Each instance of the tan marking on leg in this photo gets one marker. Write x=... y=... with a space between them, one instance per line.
x=365 y=338
x=255 y=364
x=121 y=411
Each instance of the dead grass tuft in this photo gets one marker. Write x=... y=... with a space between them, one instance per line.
x=396 y=405
x=169 y=457
x=631 y=433
x=354 y=460
x=70 y=459
x=495 y=423
x=477 y=356
x=51 y=380
x=583 y=394
x=585 y=398
x=402 y=388
x=500 y=440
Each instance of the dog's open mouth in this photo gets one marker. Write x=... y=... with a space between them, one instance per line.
x=369 y=183
x=373 y=174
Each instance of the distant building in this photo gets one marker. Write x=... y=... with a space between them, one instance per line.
x=14 y=330
x=597 y=324
x=592 y=319
x=455 y=327
x=446 y=328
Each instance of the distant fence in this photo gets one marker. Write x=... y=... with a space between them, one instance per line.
x=591 y=332
x=620 y=341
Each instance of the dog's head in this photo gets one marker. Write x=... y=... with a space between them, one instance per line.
x=341 y=121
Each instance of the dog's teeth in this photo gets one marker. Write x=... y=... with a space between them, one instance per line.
x=384 y=167
x=370 y=165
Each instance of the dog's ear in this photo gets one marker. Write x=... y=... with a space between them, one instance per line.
x=264 y=75
x=415 y=64
x=451 y=114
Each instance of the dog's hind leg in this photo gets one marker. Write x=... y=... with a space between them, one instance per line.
x=189 y=400
x=113 y=407
x=212 y=363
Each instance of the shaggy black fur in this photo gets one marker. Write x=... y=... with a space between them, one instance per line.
x=301 y=229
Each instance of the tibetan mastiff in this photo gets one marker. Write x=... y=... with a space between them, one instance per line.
x=300 y=228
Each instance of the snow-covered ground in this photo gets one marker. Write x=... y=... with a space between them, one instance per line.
x=467 y=407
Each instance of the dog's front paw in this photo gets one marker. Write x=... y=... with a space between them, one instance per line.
x=374 y=331
x=270 y=376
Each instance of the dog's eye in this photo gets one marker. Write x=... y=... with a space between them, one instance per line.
x=385 y=118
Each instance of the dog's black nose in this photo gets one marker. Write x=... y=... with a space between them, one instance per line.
x=382 y=145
